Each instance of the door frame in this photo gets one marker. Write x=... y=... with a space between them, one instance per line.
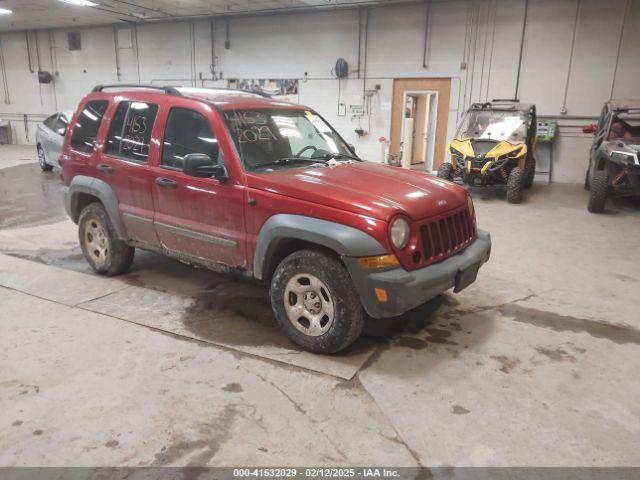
x=440 y=85
x=429 y=150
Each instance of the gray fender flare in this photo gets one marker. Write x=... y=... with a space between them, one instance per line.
x=342 y=239
x=101 y=190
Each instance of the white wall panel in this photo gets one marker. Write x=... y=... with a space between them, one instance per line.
x=287 y=46
x=546 y=53
x=594 y=57
x=504 y=49
x=628 y=76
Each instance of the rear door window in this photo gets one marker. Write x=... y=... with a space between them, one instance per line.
x=130 y=131
x=87 y=126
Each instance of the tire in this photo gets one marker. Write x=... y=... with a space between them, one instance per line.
x=100 y=245
x=446 y=171
x=514 y=185
x=529 y=173
x=598 y=193
x=42 y=160
x=316 y=284
x=587 y=186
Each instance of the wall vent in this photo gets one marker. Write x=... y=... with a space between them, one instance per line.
x=74 y=41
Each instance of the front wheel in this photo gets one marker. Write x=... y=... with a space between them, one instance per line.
x=587 y=186
x=42 y=160
x=446 y=171
x=598 y=192
x=514 y=186
x=102 y=249
x=315 y=302
x=529 y=172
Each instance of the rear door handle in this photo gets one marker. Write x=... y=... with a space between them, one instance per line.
x=165 y=182
x=103 y=167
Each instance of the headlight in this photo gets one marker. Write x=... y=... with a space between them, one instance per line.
x=455 y=153
x=400 y=233
x=515 y=153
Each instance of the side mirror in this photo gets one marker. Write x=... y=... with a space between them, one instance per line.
x=352 y=148
x=591 y=128
x=200 y=165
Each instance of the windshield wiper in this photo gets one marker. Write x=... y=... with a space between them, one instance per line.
x=291 y=159
x=338 y=156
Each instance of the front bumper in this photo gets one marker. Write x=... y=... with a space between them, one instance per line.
x=407 y=290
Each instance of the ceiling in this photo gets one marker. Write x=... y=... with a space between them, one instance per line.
x=44 y=14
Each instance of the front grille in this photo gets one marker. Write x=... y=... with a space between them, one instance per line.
x=477 y=162
x=445 y=236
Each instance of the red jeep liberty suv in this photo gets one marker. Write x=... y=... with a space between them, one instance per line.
x=231 y=180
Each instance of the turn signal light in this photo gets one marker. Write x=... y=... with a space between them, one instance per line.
x=381 y=294
x=379 y=261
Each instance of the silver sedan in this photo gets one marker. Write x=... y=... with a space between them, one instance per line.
x=49 y=139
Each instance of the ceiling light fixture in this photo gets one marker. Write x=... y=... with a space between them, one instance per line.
x=5 y=11
x=80 y=3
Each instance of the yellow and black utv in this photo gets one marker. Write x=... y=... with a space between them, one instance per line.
x=495 y=144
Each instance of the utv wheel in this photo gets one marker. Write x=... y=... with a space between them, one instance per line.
x=529 y=173
x=514 y=186
x=598 y=193
x=42 y=160
x=587 y=186
x=446 y=171
x=106 y=254
x=315 y=302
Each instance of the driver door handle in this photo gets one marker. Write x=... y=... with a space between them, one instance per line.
x=103 y=167
x=166 y=182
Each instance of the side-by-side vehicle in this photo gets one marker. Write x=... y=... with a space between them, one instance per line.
x=495 y=144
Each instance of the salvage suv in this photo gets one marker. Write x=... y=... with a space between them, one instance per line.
x=234 y=181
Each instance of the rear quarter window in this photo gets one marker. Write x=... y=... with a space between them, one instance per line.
x=87 y=126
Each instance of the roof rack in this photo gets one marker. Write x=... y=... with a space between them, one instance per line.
x=255 y=92
x=515 y=100
x=167 y=90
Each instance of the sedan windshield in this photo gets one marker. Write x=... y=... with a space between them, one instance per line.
x=270 y=139
x=494 y=125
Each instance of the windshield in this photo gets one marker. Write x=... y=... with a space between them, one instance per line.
x=494 y=125
x=625 y=126
x=270 y=139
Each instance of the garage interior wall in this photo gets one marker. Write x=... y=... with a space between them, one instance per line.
x=570 y=57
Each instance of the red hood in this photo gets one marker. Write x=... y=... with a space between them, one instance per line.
x=365 y=188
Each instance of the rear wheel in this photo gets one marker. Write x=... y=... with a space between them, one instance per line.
x=598 y=192
x=514 y=186
x=446 y=171
x=100 y=245
x=42 y=160
x=315 y=302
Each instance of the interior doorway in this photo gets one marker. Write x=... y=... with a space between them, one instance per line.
x=419 y=122
x=418 y=131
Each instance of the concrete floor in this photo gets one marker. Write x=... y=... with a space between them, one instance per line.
x=536 y=364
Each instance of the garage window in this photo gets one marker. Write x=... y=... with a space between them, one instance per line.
x=87 y=126
x=187 y=132
x=130 y=131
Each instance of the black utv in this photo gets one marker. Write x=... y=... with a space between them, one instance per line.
x=614 y=167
